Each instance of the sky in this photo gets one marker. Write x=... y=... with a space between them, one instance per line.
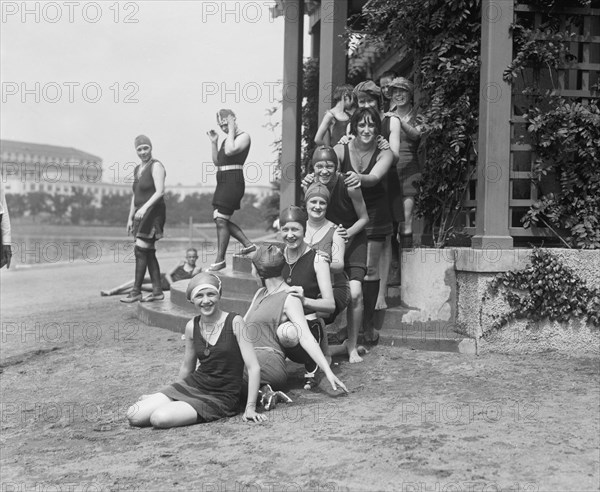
x=93 y=75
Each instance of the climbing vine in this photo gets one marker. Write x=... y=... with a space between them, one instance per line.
x=546 y=289
x=564 y=134
x=443 y=37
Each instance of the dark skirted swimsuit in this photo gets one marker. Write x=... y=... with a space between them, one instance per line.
x=152 y=225
x=262 y=319
x=376 y=200
x=230 y=180
x=409 y=169
x=213 y=389
x=341 y=211
x=302 y=273
x=394 y=191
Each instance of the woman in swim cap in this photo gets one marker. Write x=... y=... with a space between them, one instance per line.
x=210 y=390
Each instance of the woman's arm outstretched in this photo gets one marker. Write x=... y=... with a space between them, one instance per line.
x=251 y=362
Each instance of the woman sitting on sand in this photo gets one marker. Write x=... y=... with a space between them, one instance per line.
x=276 y=324
x=184 y=270
x=217 y=346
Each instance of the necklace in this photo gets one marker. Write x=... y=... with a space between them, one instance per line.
x=361 y=167
x=293 y=265
x=206 y=349
x=289 y=279
x=268 y=293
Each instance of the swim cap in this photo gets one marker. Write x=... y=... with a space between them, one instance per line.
x=368 y=87
x=203 y=280
x=293 y=214
x=268 y=260
x=402 y=83
x=324 y=153
x=141 y=140
x=317 y=189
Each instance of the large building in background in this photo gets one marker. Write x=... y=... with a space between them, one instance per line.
x=31 y=167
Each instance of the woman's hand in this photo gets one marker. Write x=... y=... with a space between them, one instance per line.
x=213 y=136
x=341 y=231
x=382 y=143
x=352 y=180
x=335 y=382
x=252 y=414
x=139 y=213
x=308 y=180
x=345 y=140
x=130 y=225
x=298 y=292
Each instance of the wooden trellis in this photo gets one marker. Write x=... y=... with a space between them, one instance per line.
x=575 y=79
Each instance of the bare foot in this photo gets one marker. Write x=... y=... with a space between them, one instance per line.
x=360 y=349
x=380 y=304
x=353 y=357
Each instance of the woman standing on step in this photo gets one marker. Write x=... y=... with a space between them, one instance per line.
x=367 y=167
x=146 y=221
x=229 y=159
x=217 y=347
x=409 y=169
x=348 y=210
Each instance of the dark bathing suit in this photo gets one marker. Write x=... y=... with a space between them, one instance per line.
x=230 y=182
x=213 y=389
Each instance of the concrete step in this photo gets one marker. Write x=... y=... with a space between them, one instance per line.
x=437 y=337
x=426 y=338
x=235 y=284
x=174 y=317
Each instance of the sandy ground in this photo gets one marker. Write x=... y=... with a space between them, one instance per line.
x=73 y=361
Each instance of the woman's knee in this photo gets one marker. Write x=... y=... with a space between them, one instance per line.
x=221 y=223
x=140 y=243
x=135 y=417
x=356 y=295
x=161 y=419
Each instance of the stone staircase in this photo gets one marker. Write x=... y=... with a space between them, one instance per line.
x=239 y=286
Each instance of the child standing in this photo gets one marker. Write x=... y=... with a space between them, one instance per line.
x=335 y=122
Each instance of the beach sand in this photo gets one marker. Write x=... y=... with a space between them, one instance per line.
x=73 y=362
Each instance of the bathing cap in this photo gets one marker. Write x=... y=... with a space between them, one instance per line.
x=203 y=280
x=268 y=260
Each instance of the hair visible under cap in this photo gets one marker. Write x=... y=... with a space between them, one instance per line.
x=293 y=214
x=203 y=280
x=317 y=189
x=362 y=113
x=268 y=260
x=142 y=140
